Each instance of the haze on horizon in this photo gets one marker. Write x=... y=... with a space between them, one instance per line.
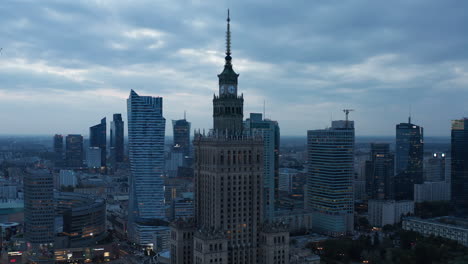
x=65 y=65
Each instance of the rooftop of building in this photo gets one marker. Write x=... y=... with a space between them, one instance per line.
x=444 y=220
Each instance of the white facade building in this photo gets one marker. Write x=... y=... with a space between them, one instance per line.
x=388 y=212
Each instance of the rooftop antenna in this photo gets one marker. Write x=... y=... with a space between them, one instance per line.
x=264 y=117
x=409 y=116
x=347 y=111
x=185 y=115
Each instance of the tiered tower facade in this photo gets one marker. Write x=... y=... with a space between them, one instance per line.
x=228 y=183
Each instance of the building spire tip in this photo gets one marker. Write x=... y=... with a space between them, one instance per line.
x=228 y=38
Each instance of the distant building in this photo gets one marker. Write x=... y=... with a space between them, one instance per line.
x=84 y=218
x=330 y=178
x=380 y=172
x=117 y=138
x=181 y=131
x=459 y=163
x=408 y=160
x=174 y=161
x=39 y=215
x=58 y=148
x=359 y=188
x=286 y=177
x=388 y=212
x=146 y=128
x=67 y=178
x=270 y=131
x=98 y=139
x=74 y=151
x=435 y=168
x=446 y=226
x=432 y=191
x=93 y=157
x=297 y=220
x=183 y=208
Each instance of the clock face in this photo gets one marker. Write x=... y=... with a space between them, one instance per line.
x=222 y=89
x=231 y=89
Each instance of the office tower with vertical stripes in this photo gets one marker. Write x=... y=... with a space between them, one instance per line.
x=330 y=178
x=146 y=130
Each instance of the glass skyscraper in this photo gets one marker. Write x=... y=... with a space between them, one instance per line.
x=330 y=178
x=98 y=139
x=459 y=162
x=117 y=138
x=146 y=129
x=408 y=159
x=270 y=132
x=380 y=172
x=181 y=132
x=74 y=151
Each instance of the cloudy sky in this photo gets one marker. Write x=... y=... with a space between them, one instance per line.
x=66 y=64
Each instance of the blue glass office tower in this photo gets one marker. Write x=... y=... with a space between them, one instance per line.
x=409 y=152
x=330 y=178
x=146 y=129
x=98 y=139
x=270 y=132
x=459 y=163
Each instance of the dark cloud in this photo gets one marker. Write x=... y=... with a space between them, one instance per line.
x=307 y=59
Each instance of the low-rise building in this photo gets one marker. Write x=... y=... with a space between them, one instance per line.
x=388 y=212
x=297 y=220
x=432 y=191
x=445 y=226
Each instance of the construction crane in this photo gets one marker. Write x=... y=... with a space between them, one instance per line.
x=347 y=111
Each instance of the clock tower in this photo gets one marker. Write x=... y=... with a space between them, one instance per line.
x=228 y=106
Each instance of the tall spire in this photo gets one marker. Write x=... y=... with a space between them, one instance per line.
x=228 y=40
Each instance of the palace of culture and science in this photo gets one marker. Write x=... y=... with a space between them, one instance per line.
x=229 y=225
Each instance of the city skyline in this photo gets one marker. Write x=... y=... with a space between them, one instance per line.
x=68 y=64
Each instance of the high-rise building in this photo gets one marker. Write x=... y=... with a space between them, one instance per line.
x=39 y=215
x=117 y=138
x=408 y=159
x=330 y=178
x=229 y=187
x=146 y=129
x=459 y=164
x=434 y=168
x=380 y=172
x=58 y=145
x=74 y=151
x=93 y=157
x=58 y=150
x=181 y=131
x=98 y=139
x=269 y=130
